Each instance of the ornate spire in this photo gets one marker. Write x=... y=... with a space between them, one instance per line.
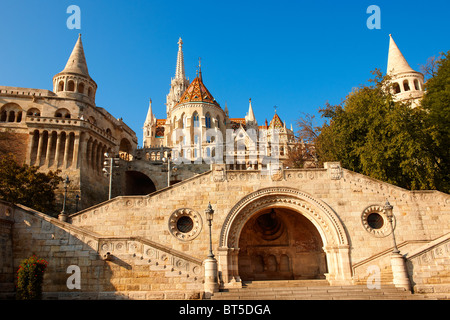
x=150 y=120
x=250 y=118
x=179 y=73
x=77 y=61
x=396 y=61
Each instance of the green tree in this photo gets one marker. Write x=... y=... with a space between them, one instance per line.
x=25 y=185
x=372 y=134
x=436 y=104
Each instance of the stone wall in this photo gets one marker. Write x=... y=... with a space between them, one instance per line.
x=420 y=216
x=108 y=267
x=429 y=266
x=133 y=247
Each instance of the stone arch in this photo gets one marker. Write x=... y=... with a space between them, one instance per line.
x=62 y=113
x=125 y=149
x=334 y=238
x=138 y=183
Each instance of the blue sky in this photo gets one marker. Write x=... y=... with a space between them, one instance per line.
x=296 y=55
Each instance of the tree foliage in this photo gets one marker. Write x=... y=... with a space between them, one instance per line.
x=23 y=184
x=372 y=134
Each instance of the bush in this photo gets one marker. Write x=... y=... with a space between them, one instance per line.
x=30 y=277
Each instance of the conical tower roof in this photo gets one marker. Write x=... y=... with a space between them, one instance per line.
x=251 y=114
x=77 y=61
x=396 y=61
x=197 y=92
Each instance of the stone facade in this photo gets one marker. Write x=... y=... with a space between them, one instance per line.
x=139 y=247
x=64 y=129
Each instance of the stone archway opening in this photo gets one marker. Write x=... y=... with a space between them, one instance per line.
x=280 y=244
x=137 y=183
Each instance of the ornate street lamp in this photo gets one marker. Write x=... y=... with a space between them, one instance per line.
x=63 y=216
x=209 y=212
x=390 y=215
x=398 y=262
x=211 y=283
x=66 y=183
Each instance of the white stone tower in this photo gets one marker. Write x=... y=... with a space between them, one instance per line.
x=74 y=81
x=407 y=83
x=149 y=138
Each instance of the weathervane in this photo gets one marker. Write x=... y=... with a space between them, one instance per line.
x=275 y=107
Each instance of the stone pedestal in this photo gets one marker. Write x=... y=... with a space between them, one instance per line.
x=211 y=278
x=400 y=271
x=62 y=217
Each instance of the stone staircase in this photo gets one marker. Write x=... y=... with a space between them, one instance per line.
x=314 y=290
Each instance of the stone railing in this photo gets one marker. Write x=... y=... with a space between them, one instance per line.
x=429 y=266
x=70 y=122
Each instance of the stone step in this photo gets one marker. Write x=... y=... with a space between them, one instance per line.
x=312 y=290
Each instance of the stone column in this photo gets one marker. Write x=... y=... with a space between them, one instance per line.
x=76 y=151
x=49 y=149
x=31 y=147
x=400 y=271
x=211 y=279
x=58 y=147
x=39 y=150
x=66 y=150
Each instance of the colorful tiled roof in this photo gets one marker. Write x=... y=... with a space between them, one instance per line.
x=197 y=92
x=276 y=122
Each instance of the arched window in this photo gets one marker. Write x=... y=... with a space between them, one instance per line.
x=90 y=92
x=416 y=84
x=70 y=86
x=61 y=86
x=208 y=120
x=11 y=112
x=195 y=119
x=396 y=88
x=62 y=113
x=406 y=85
x=81 y=87
x=218 y=121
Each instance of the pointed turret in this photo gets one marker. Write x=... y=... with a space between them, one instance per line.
x=74 y=80
x=77 y=60
x=149 y=127
x=250 y=117
x=396 y=61
x=407 y=84
x=150 y=119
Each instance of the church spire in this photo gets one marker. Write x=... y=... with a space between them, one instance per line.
x=179 y=73
x=396 y=61
x=178 y=84
x=150 y=120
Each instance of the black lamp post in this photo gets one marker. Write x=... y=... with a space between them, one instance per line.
x=66 y=182
x=209 y=212
x=77 y=199
x=390 y=215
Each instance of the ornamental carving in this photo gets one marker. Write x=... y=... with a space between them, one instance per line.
x=316 y=210
x=185 y=224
